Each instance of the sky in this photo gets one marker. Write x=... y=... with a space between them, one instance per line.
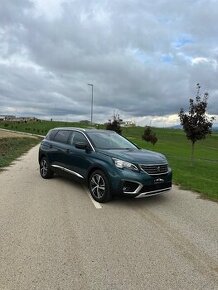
x=144 y=58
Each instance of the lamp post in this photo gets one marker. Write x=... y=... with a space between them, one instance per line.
x=91 y=103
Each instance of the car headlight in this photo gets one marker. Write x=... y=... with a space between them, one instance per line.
x=124 y=164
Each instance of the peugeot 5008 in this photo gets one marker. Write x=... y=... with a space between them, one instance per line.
x=106 y=161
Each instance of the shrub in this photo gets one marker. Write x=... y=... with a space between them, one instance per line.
x=114 y=124
x=149 y=135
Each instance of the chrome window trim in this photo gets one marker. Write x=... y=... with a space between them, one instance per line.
x=76 y=130
x=67 y=170
x=73 y=130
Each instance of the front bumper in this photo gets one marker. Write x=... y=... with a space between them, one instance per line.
x=154 y=192
x=141 y=184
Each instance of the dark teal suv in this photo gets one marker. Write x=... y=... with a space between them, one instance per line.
x=106 y=161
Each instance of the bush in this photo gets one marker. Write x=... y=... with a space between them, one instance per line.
x=114 y=124
x=149 y=135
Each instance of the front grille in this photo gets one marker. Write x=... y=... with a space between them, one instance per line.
x=154 y=169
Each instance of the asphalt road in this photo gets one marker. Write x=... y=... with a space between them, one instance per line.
x=52 y=236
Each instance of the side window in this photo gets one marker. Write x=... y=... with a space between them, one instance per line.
x=62 y=136
x=78 y=137
x=51 y=134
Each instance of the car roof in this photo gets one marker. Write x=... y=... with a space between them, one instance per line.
x=88 y=130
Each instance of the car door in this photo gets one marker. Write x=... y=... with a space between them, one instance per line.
x=79 y=160
x=60 y=148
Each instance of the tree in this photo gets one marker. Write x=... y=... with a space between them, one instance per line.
x=149 y=135
x=85 y=122
x=196 y=124
x=114 y=124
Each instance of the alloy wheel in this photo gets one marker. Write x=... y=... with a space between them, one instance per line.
x=97 y=186
x=44 y=167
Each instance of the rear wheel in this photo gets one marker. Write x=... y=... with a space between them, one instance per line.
x=45 y=169
x=99 y=186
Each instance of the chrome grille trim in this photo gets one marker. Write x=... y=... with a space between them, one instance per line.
x=152 y=193
x=154 y=169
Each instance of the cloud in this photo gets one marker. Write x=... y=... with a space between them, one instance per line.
x=144 y=58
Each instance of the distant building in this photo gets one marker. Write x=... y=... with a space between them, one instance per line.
x=129 y=124
x=23 y=119
x=7 y=117
x=13 y=118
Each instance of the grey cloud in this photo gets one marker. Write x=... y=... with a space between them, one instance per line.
x=119 y=46
x=12 y=11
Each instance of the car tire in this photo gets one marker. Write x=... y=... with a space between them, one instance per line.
x=45 y=169
x=99 y=186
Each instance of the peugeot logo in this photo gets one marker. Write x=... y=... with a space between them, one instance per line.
x=158 y=168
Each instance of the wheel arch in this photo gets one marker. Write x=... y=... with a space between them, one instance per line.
x=97 y=167
x=41 y=155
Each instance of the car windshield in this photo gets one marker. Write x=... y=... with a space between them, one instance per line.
x=109 y=140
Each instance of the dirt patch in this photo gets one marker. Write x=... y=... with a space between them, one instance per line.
x=7 y=134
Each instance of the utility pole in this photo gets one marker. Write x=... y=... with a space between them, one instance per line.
x=91 y=85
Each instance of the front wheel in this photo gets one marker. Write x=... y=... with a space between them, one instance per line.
x=45 y=170
x=99 y=186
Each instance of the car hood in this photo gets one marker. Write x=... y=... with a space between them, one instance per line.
x=140 y=156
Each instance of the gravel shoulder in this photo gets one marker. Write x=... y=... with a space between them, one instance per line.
x=52 y=237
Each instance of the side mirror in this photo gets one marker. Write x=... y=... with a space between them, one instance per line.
x=81 y=145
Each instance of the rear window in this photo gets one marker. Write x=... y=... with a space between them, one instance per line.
x=62 y=136
x=51 y=134
x=78 y=137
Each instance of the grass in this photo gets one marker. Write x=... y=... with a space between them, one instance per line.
x=36 y=127
x=12 y=148
x=201 y=178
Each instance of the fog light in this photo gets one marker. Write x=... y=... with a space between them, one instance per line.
x=130 y=187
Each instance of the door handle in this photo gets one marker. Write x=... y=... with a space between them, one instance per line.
x=50 y=146
x=67 y=151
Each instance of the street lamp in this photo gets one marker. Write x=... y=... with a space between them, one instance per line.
x=91 y=103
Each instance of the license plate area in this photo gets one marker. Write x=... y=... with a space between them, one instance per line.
x=158 y=180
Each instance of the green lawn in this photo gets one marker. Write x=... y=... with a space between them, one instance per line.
x=36 y=127
x=12 y=148
x=202 y=177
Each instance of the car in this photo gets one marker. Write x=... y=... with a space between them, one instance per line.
x=107 y=162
